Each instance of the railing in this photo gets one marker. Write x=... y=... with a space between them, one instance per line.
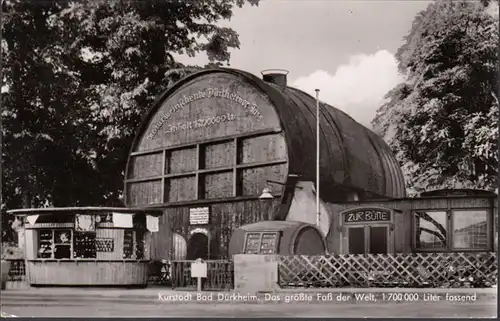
x=220 y=275
x=464 y=269
x=17 y=271
x=159 y=273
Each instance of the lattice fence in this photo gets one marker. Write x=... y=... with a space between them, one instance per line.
x=390 y=270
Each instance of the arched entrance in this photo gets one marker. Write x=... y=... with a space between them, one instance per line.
x=197 y=247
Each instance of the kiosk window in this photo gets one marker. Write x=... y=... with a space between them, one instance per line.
x=128 y=244
x=261 y=243
x=268 y=244
x=252 y=243
x=85 y=245
x=54 y=244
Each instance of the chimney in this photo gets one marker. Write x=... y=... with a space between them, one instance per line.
x=275 y=76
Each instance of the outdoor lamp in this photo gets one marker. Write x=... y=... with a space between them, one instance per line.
x=266 y=194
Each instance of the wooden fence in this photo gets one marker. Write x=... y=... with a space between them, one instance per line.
x=464 y=269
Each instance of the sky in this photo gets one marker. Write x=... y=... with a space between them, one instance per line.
x=344 y=48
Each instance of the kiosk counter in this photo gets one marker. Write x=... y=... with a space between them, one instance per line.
x=89 y=246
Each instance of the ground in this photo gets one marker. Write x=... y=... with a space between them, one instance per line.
x=89 y=304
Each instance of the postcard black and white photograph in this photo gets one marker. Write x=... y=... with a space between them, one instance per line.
x=249 y=158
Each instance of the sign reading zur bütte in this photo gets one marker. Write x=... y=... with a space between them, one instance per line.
x=367 y=215
x=222 y=93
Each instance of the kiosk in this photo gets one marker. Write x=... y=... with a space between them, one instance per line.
x=87 y=246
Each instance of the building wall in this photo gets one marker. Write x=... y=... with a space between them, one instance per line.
x=403 y=217
x=303 y=207
x=224 y=219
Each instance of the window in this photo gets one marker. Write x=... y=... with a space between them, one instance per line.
x=215 y=169
x=261 y=243
x=128 y=244
x=431 y=230
x=452 y=230
x=470 y=229
x=85 y=245
x=54 y=244
x=69 y=244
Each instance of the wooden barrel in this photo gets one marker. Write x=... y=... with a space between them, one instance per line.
x=211 y=143
x=278 y=237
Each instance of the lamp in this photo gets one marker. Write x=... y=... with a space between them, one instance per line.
x=266 y=194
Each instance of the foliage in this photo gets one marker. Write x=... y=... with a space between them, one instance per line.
x=79 y=76
x=442 y=121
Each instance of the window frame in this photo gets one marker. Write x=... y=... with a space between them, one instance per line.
x=71 y=244
x=74 y=243
x=53 y=232
x=449 y=228
x=489 y=227
x=261 y=237
x=198 y=174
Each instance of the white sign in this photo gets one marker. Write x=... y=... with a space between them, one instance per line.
x=122 y=220
x=84 y=223
x=199 y=230
x=32 y=219
x=152 y=223
x=199 y=215
x=199 y=269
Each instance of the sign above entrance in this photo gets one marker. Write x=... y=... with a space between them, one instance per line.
x=366 y=215
x=199 y=215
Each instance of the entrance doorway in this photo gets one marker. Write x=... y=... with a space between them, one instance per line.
x=197 y=247
x=368 y=239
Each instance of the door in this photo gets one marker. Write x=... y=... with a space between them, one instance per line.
x=368 y=239
x=197 y=247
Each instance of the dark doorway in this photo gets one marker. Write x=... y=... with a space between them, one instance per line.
x=197 y=247
x=356 y=240
x=378 y=240
x=368 y=240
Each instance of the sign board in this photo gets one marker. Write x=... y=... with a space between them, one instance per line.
x=268 y=244
x=252 y=243
x=152 y=223
x=367 y=215
x=123 y=220
x=199 y=215
x=84 y=223
x=199 y=269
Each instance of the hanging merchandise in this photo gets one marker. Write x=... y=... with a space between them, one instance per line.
x=84 y=223
x=152 y=223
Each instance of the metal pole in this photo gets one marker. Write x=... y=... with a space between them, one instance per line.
x=317 y=159
x=1 y=85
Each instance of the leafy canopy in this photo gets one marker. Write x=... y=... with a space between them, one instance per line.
x=77 y=78
x=443 y=120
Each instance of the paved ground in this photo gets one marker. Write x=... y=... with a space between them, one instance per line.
x=76 y=303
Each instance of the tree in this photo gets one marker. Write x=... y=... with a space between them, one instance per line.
x=80 y=75
x=442 y=121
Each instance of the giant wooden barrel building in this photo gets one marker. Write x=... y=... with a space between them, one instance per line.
x=212 y=142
